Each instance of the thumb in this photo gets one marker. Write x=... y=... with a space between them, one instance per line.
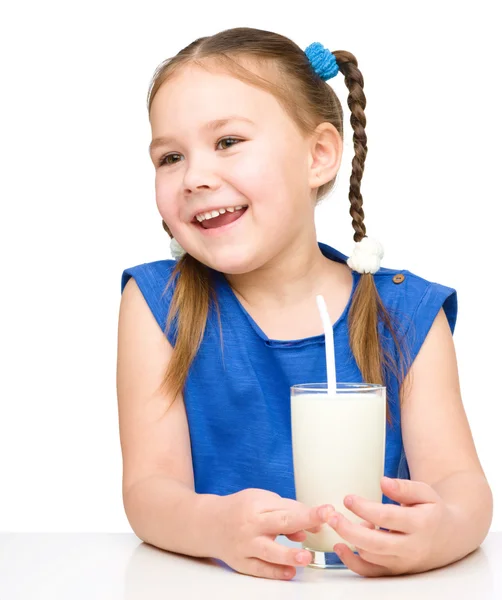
x=408 y=492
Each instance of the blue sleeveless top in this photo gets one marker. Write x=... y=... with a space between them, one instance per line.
x=237 y=398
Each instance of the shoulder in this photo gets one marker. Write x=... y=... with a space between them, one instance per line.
x=408 y=296
x=153 y=281
x=415 y=296
x=414 y=302
x=154 y=274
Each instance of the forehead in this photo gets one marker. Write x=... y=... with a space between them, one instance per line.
x=195 y=95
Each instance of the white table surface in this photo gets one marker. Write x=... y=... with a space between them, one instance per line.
x=113 y=566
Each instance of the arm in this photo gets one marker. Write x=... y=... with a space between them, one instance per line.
x=439 y=445
x=158 y=482
x=469 y=497
x=168 y=514
x=444 y=512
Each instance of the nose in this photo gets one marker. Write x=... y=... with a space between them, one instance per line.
x=200 y=175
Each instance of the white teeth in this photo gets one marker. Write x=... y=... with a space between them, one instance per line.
x=216 y=213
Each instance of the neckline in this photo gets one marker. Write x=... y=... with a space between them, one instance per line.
x=330 y=253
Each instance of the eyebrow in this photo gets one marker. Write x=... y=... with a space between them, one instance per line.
x=209 y=126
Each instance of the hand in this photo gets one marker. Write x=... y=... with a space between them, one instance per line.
x=414 y=530
x=248 y=523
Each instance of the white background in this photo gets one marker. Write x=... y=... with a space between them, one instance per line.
x=78 y=207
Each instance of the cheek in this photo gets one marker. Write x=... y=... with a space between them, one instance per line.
x=281 y=185
x=164 y=201
x=269 y=174
x=251 y=174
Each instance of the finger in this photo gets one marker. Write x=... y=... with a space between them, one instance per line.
x=314 y=529
x=272 y=552
x=331 y=513
x=359 y=565
x=260 y=568
x=389 y=516
x=372 y=540
x=285 y=521
x=326 y=511
x=408 y=492
x=298 y=536
x=377 y=559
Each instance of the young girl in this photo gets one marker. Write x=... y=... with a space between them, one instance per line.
x=247 y=139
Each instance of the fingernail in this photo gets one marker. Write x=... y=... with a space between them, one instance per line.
x=349 y=501
x=327 y=513
x=300 y=557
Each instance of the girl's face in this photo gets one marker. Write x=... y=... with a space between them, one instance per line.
x=264 y=166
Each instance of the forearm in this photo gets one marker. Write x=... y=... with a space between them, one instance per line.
x=168 y=514
x=470 y=503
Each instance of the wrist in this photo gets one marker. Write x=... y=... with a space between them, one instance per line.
x=208 y=510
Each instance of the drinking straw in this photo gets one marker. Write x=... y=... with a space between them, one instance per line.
x=329 y=343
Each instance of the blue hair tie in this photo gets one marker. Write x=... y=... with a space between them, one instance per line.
x=322 y=60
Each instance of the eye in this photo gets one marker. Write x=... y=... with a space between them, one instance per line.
x=228 y=138
x=164 y=160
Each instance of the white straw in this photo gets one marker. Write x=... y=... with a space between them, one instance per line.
x=330 y=345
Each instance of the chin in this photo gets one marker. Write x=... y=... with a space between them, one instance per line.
x=232 y=263
x=235 y=270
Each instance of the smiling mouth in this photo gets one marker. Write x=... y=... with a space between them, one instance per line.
x=222 y=220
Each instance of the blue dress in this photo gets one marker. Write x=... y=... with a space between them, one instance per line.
x=237 y=400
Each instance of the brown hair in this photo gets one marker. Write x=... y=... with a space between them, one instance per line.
x=309 y=101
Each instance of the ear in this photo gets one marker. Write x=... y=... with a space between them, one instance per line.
x=325 y=154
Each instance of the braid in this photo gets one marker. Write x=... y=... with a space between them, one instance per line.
x=366 y=306
x=357 y=103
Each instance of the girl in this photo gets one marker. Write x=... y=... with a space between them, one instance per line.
x=247 y=139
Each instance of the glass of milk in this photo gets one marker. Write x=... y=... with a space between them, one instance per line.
x=338 y=449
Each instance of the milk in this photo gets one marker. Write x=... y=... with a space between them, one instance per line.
x=338 y=449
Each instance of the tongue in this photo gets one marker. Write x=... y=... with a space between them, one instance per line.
x=224 y=219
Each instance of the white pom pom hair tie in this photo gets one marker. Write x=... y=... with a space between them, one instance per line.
x=177 y=251
x=366 y=256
